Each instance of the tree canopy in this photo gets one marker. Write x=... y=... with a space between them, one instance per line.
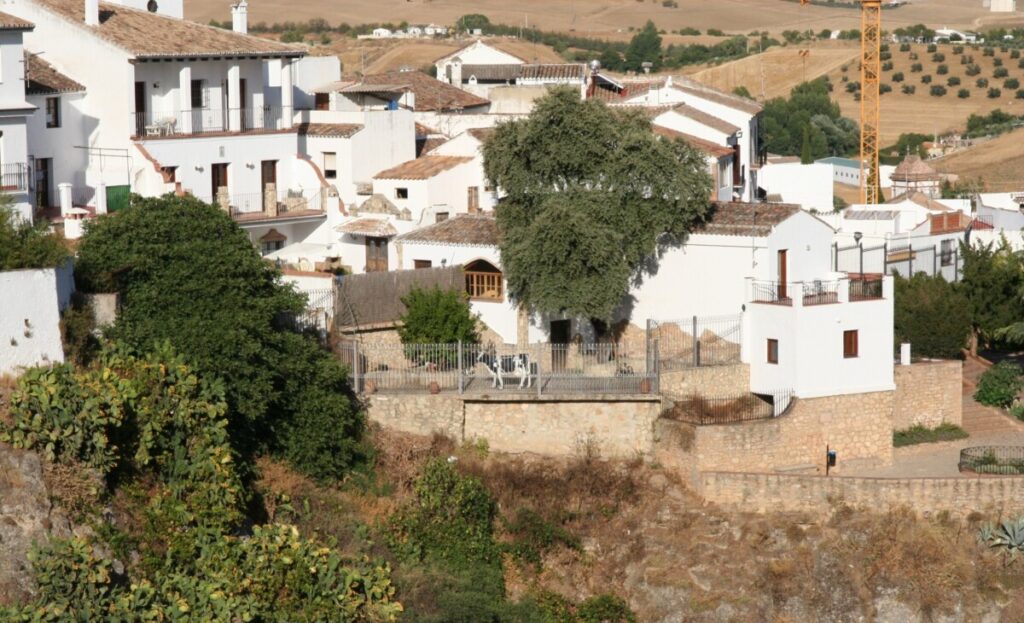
x=932 y=315
x=993 y=281
x=436 y=316
x=188 y=274
x=590 y=191
x=809 y=110
x=23 y=245
x=645 y=47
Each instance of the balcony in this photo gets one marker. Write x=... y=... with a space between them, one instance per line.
x=14 y=177
x=272 y=206
x=818 y=292
x=182 y=123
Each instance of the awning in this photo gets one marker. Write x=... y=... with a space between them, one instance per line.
x=368 y=227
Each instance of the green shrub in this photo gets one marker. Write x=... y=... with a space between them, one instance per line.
x=23 y=245
x=987 y=51
x=942 y=70
x=533 y=536
x=963 y=94
x=938 y=57
x=994 y=93
x=904 y=47
x=1000 y=72
x=981 y=83
x=884 y=88
x=605 y=609
x=938 y=90
x=887 y=66
x=908 y=89
x=77 y=330
x=926 y=79
x=920 y=434
x=916 y=68
x=997 y=62
x=1015 y=54
x=932 y=315
x=1020 y=94
x=1011 y=83
x=972 y=70
x=932 y=47
x=953 y=81
x=437 y=316
x=898 y=76
x=999 y=385
x=958 y=49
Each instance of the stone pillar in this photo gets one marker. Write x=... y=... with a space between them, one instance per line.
x=224 y=199
x=186 y=115
x=101 y=199
x=287 y=94
x=64 y=196
x=235 y=98
x=456 y=67
x=270 y=199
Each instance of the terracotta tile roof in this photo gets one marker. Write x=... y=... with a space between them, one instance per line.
x=368 y=227
x=481 y=134
x=745 y=219
x=10 y=22
x=148 y=35
x=709 y=148
x=42 y=79
x=331 y=130
x=424 y=130
x=913 y=169
x=705 y=119
x=530 y=71
x=422 y=168
x=464 y=229
x=692 y=87
x=430 y=145
x=431 y=94
x=922 y=200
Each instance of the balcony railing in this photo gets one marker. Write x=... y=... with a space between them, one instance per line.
x=865 y=288
x=164 y=124
x=818 y=292
x=268 y=205
x=14 y=177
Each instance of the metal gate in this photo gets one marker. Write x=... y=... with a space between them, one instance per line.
x=118 y=198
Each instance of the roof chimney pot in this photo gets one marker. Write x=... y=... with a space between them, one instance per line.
x=240 y=17
x=92 y=12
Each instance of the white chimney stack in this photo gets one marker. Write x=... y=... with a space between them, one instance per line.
x=240 y=17
x=92 y=12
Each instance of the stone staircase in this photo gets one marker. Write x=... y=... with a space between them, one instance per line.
x=977 y=418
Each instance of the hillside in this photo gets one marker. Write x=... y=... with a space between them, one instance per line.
x=599 y=17
x=999 y=163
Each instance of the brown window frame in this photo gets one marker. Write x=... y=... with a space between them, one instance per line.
x=487 y=283
x=851 y=344
x=772 y=356
x=421 y=264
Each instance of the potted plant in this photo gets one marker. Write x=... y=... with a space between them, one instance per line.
x=435 y=388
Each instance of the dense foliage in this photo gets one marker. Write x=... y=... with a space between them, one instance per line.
x=809 y=112
x=436 y=316
x=23 y=245
x=933 y=315
x=152 y=420
x=1000 y=384
x=591 y=195
x=921 y=434
x=993 y=280
x=994 y=123
x=188 y=275
x=645 y=47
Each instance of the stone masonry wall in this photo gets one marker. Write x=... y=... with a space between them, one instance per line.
x=420 y=414
x=858 y=427
x=620 y=429
x=722 y=381
x=1002 y=496
x=929 y=394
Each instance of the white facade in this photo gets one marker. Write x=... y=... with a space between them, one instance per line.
x=1004 y=6
x=30 y=323
x=14 y=114
x=476 y=53
x=808 y=185
x=1003 y=211
x=54 y=151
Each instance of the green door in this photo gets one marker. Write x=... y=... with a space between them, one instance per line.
x=117 y=197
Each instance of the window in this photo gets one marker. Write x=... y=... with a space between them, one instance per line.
x=170 y=174
x=473 y=198
x=53 y=112
x=401 y=193
x=330 y=165
x=484 y=281
x=440 y=216
x=418 y=264
x=773 y=351
x=199 y=94
x=266 y=248
x=947 y=252
x=850 y=344
x=322 y=101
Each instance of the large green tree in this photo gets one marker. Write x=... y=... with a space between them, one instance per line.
x=590 y=194
x=993 y=281
x=645 y=47
x=809 y=109
x=932 y=315
x=188 y=274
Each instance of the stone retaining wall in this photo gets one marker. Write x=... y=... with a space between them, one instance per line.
x=620 y=427
x=929 y=394
x=1002 y=496
x=726 y=381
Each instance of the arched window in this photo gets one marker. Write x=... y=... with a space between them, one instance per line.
x=484 y=281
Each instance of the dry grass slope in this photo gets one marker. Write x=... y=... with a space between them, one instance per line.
x=999 y=163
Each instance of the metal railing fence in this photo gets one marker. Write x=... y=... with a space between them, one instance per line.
x=997 y=460
x=903 y=258
x=552 y=369
x=697 y=341
x=168 y=123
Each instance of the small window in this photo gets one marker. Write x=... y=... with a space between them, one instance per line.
x=269 y=246
x=851 y=348
x=322 y=101
x=170 y=174
x=53 y=112
x=484 y=281
x=773 y=351
x=418 y=264
x=947 y=252
x=440 y=216
x=401 y=193
x=199 y=97
x=330 y=165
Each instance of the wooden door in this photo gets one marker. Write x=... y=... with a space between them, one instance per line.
x=140 y=109
x=783 y=260
x=243 y=117
x=268 y=173
x=218 y=178
x=43 y=167
x=376 y=254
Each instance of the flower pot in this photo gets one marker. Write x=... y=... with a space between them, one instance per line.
x=370 y=387
x=645 y=386
x=435 y=388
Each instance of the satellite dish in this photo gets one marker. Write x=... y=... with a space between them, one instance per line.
x=152 y=6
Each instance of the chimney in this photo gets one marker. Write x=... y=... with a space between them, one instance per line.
x=92 y=12
x=240 y=17
x=456 y=68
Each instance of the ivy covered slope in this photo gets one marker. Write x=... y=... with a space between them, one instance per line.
x=591 y=194
x=188 y=274
x=152 y=423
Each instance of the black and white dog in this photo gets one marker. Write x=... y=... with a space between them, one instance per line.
x=500 y=365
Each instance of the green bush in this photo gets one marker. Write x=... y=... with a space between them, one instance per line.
x=1011 y=83
x=533 y=536
x=938 y=90
x=994 y=93
x=916 y=68
x=963 y=94
x=436 y=316
x=997 y=62
x=932 y=47
x=953 y=81
x=981 y=83
x=932 y=315
x=938 y=57
x=942 y=70
x=908 y=89
x=920 y=434
x=1000 y=72
x=887 y=66
x=1019 y=94
x=904 y=47
x=926 y=79
x=898 y=76
x=999 y=385
x=23 y=245
x=605 y=609
x=972 y=70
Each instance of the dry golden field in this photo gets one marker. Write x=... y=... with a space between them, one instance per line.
x=999 y=163
x=601 y=17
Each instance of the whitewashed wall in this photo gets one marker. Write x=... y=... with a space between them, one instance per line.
x=30 y=322
x=68 y=164
x=808 y=185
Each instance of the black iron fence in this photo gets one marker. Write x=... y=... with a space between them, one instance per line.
x=14 y=177
x=905 y=259
x=169 y=123
x=996 y=460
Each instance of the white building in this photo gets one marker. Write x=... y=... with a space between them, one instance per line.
x=949 y=34
x=845 y=171
x=1002 y=211
x=1003 y=6
x=449 y=67
x=14 y=114
x=913 y=175
x=808 y=185
x=381 y=33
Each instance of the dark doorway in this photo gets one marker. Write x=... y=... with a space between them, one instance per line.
x=243 y=117
x=140 y=109
x=561 y=333
x=783 y=274
x=44 y=173
x=218 y=178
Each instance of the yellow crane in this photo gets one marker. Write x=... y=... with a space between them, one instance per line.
x=870 y=97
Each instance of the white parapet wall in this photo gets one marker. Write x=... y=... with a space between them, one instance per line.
x=32 y=301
